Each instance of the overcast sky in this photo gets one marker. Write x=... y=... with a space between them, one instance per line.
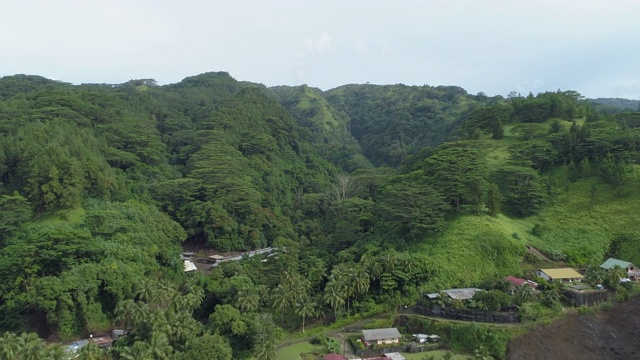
x=496 y=47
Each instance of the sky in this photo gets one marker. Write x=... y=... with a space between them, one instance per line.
x=489 y=46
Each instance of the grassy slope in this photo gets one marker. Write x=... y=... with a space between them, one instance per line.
x=477 y=247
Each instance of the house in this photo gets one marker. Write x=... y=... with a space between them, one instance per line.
x=381 y=336
x=517 y=283
x=562 y=275
x=633 y=272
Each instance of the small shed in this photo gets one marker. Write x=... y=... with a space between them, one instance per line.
x=189 y=266
x=216 y=257
x=394 y=356
x=381 y=336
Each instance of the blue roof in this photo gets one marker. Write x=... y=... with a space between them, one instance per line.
x=611 y=262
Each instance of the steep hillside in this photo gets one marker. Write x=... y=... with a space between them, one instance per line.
x=393 y=121
x=329 y=128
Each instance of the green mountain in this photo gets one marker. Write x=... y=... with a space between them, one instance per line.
x=372 y=195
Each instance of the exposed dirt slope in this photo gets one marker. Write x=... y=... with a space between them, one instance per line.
x=611 y=334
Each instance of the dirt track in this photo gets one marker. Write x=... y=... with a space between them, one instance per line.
x=613 y=334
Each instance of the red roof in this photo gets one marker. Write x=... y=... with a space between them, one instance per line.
x=334 y=357
x=519 y=282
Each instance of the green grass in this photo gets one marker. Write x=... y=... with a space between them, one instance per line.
x=473 y=248
x=576 y=222
x=293 y=351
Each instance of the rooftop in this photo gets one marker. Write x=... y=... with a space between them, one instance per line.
x=563 y=273
x=381 y=334
x=460 y=294
x=611 y=262
x=394 y=356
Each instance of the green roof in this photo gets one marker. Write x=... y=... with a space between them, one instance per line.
x=611 y=262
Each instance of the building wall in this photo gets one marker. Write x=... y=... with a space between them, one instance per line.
x=388 y=341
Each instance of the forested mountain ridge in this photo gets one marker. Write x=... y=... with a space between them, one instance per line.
x=102 y=185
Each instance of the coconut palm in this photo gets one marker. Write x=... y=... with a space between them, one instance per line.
x=125 y=314
x=90 y=351
x=305 y=307
x=32 y=347
x=359 y=280
x=334 y=295
x=524 y=293
x=550 y=297
x=10 y=346
x=282 y=299
x=616 y=273
x=159 y=346
x=56 y=352
x=139 y=351
x=595 y=275
x=247 y=300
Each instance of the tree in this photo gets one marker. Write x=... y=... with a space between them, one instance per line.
x=616 y=273
x=282 y=299
x=208 y=347
x=524 y=190
x=334 y=295
x=550 y=297
x=91 y=351
x=494 y=199
x=595 y=275
x=159 y=346
x=306 y=307
x=265 y=334
x=138 y=351
x=10 y=346
x=247 y=300
x=458 y=171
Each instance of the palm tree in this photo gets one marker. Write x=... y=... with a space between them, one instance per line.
x=616 y=273
x=90 y=351
x=524 y=293
x=334 y=295
x=360 y=280
x=10 y=346
x=139 y=351
x=595 y=275
x=125 y=313
x=282 y=298
x=305 y=307
x=32 y=347
x=247 y=300
x=147 y=292
x=56 y=352
x=550 y=297
x=159 y=346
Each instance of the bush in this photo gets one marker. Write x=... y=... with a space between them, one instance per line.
x=537 y=230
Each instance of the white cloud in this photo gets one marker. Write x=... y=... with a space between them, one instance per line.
x=319 y=46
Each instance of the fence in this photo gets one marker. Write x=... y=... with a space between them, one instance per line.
x=469 y=315
x=585 y=298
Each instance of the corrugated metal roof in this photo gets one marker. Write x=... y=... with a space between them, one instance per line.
x=611 y=262
x=462 y=294
x=381 y=334
x=564 y=273
x=395 y=356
